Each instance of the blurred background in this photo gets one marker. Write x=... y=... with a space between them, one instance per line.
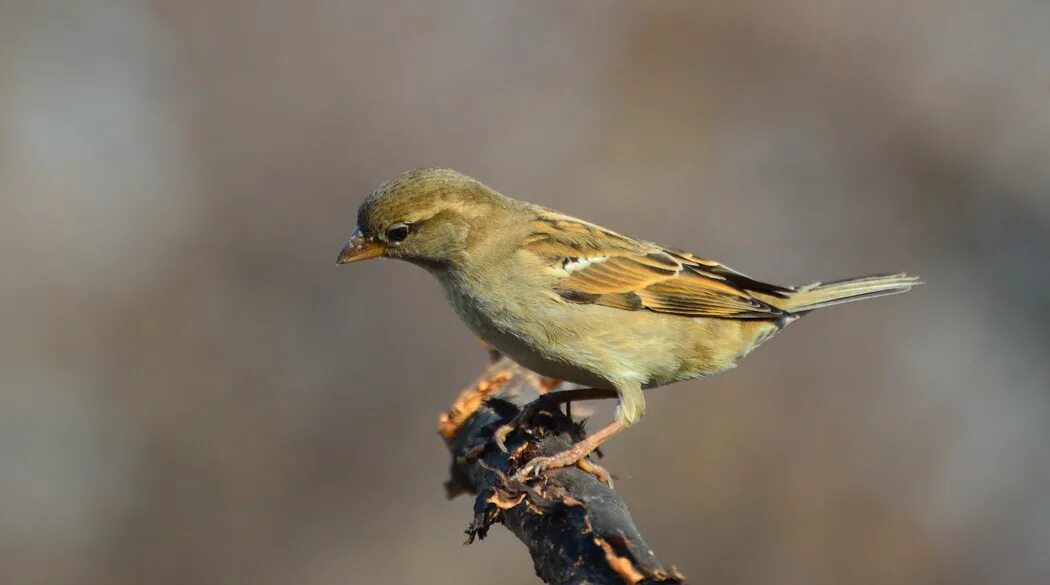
x=191 y=392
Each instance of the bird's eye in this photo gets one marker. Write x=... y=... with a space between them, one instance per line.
x=397 y=232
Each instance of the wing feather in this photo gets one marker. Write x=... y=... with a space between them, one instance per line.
x=596 y=266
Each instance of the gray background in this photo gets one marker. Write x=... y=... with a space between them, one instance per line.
x=191 y=392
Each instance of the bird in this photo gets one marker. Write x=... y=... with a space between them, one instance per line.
x=574 y=301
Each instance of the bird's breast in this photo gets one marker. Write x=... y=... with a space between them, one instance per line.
x=531 y=331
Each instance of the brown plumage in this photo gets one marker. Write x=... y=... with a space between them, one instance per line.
x=575 y=301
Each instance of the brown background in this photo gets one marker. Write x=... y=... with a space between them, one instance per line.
x=192 y=393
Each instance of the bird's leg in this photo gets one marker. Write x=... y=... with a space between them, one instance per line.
x=574 y=455
x=549 y=400
x=628 y=412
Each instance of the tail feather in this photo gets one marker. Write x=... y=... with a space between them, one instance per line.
x=824 y=294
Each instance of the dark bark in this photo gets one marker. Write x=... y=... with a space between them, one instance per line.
x=577 y=529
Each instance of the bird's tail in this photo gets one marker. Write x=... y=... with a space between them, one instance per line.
x=824 y=294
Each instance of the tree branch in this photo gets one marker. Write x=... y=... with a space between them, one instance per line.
x=577 y=529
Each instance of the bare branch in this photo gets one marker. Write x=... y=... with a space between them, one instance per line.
x=577 y=529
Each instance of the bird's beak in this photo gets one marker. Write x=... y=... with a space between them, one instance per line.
x=358 y=247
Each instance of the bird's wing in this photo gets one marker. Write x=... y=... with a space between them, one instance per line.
x=593 y=265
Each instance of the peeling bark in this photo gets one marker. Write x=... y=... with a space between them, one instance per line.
x=577 y=529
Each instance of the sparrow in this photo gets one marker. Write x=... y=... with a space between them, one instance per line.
x=575 y=301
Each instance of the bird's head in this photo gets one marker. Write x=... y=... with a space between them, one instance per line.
x=427 y=216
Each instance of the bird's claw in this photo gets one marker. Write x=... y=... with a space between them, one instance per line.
x=533 y=468
x=524 y=416
x=599 y=472
x=537 y=465
x=500 y=436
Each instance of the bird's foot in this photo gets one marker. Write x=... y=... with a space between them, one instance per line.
x=500 y=436
x=547 y=400
x=520 y=421
x=575 y=455
x=596 y=470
